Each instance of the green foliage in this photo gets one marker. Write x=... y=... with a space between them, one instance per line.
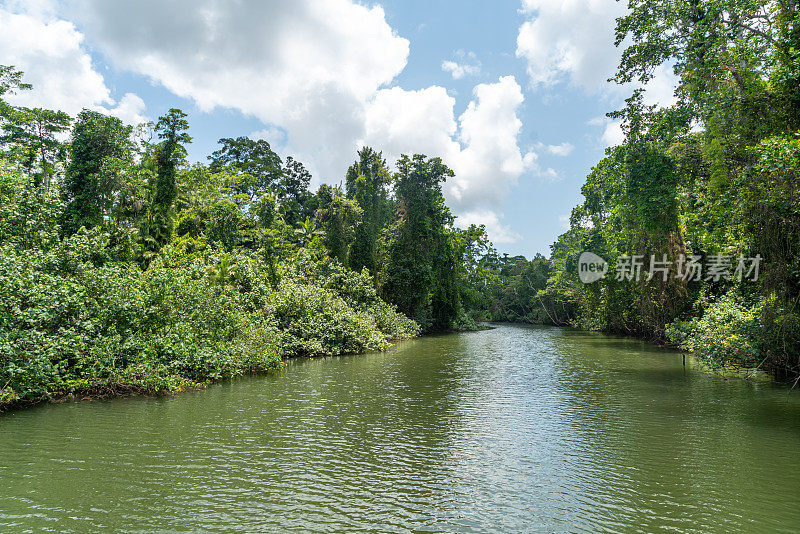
x=229 y=295
x=296 y=202
x=356 y=289
x=171 y=129
x=338 y=217
x=30 y=135
x=254 y=159
x=420 y=275
x=11 y=81
x=728 y=334
x=367 y=183
x=29 y=215
x=729 y=188
x=98 y=149
x=513 y=289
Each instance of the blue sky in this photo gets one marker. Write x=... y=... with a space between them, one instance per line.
x=512 y=94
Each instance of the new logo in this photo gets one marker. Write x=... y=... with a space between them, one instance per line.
x=591 y=267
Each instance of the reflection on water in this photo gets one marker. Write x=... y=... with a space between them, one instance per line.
x=513 y=429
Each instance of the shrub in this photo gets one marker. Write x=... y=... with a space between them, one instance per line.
x=726 y=335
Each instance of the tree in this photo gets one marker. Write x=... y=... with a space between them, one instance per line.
x=306 y=231
x=338 y=217
x=93 y=178
x=255 y=159
x=32 y=134
x=11 y=80
x=367 y=182
x=169 y=155
x=420 y=275
x=296 y=202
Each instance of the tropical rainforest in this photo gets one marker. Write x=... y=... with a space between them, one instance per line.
x=126 y=268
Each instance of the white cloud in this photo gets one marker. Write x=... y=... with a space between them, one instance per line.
x=459 y=70
x=572 y=41
x=129 y=109
x=308 y=66
x=398 y=122
x=51 y=54
x=563 y=149
x=481 y=147
x=613 y=134
x=466 y=64
x=612 y=130
x=498 y=232
x=569 y=41
x=272 y=134
x=490 y=161
x=549 y=174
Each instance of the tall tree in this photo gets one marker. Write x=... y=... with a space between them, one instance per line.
x=254 y=158
x=338 y=217
x=169 y=155
x=367 y=182
x=98 y=147
x=296 y=201
x=421 y=275
x=171 y=129
x=32 y=134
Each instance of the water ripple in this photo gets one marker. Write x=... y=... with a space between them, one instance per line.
x=510 y=430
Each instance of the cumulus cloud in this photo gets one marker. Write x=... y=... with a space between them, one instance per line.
x=466 y=64
x=491 y=159
x=318 y=73
x=613 y=134
x=53 y=58
x=563 y=149
x=573 y=42
x=612 y=130
x=481 y=146
x=129 y=109
x=400 y=121
x=308 y=66
x=272 y=134
x=569 y=41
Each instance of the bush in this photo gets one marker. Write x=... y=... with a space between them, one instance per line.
x=727 y=334
x=356 y=289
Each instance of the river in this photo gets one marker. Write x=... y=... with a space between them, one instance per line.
x=508 y=430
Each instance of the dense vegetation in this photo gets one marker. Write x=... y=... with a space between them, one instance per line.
x=715 y=175
x=125 y=268
x=712 y=182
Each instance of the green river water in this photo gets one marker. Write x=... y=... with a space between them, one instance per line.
x=515 y=429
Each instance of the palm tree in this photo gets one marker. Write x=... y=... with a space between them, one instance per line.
x=307 y=230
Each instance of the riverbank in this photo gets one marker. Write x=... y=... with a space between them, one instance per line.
x=75 y=322
x=132 y=384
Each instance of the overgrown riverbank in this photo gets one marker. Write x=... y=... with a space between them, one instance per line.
x=78 y=322
x=126 y=269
